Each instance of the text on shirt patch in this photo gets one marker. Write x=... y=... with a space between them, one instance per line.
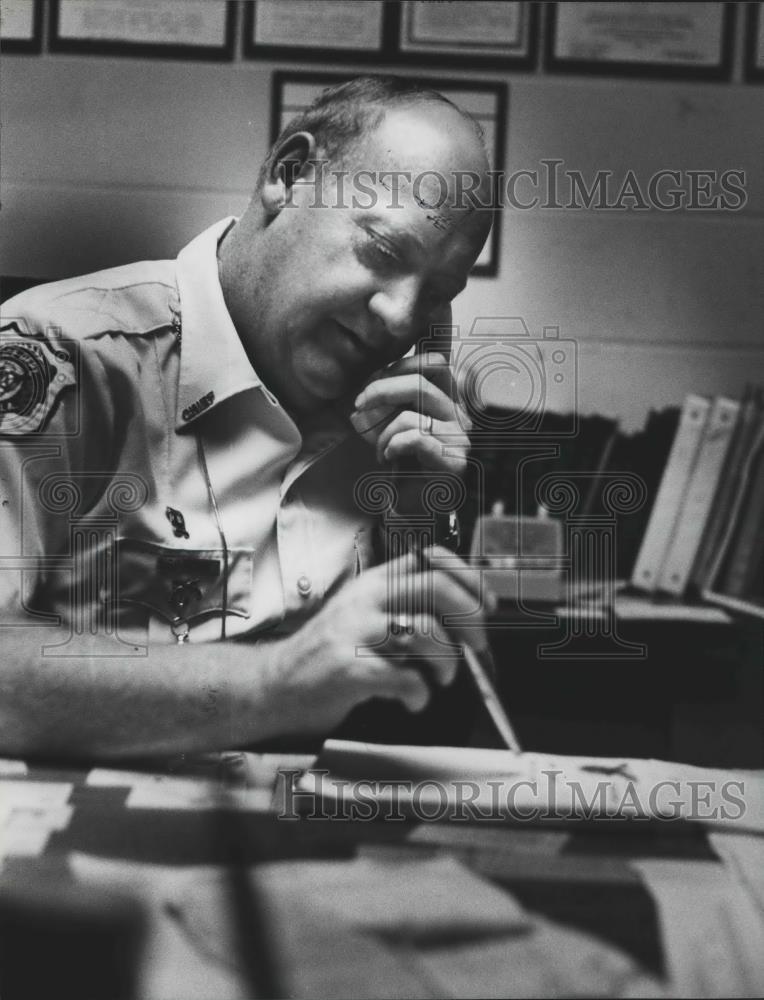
x=203 y=403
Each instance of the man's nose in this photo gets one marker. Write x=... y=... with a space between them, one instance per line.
x=397 y=307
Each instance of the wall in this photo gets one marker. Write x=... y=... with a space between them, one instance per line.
x=103 y=161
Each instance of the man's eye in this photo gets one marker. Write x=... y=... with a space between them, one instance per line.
x=380 y=251
x=384 y=251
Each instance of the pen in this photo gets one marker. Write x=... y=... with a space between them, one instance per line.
x=480 y=673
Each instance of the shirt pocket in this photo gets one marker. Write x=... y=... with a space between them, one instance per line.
x=182 y=584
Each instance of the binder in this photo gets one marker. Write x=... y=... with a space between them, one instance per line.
x=740 y=559
x=668 y=503
x=736 y=574
x=703 y=572
x=696 y=504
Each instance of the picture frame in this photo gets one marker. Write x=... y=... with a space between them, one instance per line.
x=655 y=39
x=21 y=26
x=482 y=35
x=487 y=101
x=333 y=30
x=754 y=54
x=167 y=29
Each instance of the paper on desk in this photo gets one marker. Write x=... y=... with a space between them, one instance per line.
x=339 y=929
x=321 y=950
x=29 y=812
x=363 y=930
x=409 y=899
x=744 y=856
x=11 y=768
x=553 y=961
x=34 y=794
x=375 y=927
x=162 y=791
x=456 y=783
x=711 y=929
x=175 y=966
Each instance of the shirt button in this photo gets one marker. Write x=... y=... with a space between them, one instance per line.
x=304 y=586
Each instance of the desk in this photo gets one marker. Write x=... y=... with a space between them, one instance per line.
x=598 y=916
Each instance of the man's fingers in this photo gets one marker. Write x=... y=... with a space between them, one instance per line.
x=436 y=583
x=437 y=557
x=410 y=687
x=433 y=437
x=407 y=582
x=411 y=391
x=423 y=638
x=371 y=421
x=387 y=678
x=458 y=610
x=433 y=365
x=430 y=453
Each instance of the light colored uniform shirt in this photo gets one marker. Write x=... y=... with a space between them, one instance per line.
x=149 y=478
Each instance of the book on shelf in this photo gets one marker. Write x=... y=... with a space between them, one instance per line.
x=643 y=453
x=699 y=494
x=666 y=511
x=736 y=575
x=703 y=570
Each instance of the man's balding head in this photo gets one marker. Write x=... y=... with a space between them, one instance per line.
x=342 y=114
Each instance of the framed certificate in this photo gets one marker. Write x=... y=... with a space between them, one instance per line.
x=185 y=29
x=20 y=25
x=691 y=40
x=754 y=61
x=303 y=29
x=486 y=101
x=484 y=33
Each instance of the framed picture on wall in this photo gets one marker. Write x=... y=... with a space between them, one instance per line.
x=180 y=29
x=20 y=25
x=487 y=102
x=754 y=61
x=690 y=40
x=491 y=34
x=333 y=30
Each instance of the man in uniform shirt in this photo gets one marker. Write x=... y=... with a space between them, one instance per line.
x=185 y=446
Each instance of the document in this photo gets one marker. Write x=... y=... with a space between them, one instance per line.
x=29 y=813
x=375 y=781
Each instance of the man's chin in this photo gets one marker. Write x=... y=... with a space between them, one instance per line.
x=324 y=388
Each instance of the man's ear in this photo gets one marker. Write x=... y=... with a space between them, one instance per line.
x=290 y=160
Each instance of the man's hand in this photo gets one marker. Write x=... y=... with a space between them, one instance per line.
x=408 y=411
x=365 y=642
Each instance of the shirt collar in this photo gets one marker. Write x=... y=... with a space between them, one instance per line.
x=213 y=363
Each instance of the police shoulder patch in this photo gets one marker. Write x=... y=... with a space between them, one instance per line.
x=33 y=372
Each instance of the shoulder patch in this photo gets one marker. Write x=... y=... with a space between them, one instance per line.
x=33 y=372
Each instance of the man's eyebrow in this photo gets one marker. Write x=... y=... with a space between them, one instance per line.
x=412 y=242
x=371 y=218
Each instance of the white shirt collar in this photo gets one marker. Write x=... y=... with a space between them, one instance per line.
x=213 y=363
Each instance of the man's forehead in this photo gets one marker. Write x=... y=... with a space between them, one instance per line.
x=432 y=141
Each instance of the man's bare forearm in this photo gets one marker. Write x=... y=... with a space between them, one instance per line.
x=174 y=699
